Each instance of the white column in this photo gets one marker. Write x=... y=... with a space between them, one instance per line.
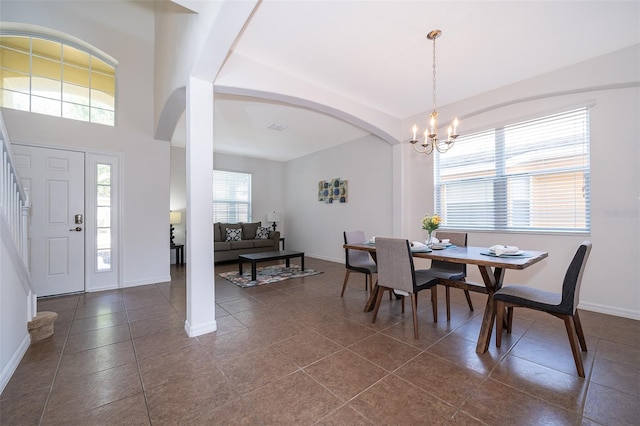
x=199 y=238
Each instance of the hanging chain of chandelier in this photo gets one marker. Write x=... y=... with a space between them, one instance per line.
x=431 y=140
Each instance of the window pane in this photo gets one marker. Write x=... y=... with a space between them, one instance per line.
x=104 y=217
x=102 y=116
x=77 y=76
x=14 y=81
x=46 y=48
x=75 y=94
x=75 y=111
x=231 y=197
x=104 y=238
x=16 y=61
x=104 y=174
x=19 y=101
x=20 y=43
x=104 y=260
x=47 y=88
x=46 y=68
x=75 y=57
x=102 y=100
x=104 y=195
x=45 y=106
x=103 y=82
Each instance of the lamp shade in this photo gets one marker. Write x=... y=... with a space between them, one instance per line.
x=274 y=217
x=175 y=217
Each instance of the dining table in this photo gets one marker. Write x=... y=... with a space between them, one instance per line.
x=492 y=268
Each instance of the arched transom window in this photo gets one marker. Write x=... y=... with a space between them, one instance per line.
x=52 y=77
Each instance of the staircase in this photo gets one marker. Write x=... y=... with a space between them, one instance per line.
x=18 y=303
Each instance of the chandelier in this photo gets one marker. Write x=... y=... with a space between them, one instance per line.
x=431 y=139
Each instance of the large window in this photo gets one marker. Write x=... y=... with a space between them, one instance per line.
x=50 y=77
x=231 y=197
x=528 y=176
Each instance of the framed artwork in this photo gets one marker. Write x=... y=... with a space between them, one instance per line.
x=335 y=190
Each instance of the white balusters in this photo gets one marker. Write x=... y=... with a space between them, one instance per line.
x=13 y=200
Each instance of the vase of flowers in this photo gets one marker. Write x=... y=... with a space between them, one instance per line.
x=430 y=224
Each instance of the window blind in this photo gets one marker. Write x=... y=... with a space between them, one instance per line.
x=231 y=197
x=527 y=176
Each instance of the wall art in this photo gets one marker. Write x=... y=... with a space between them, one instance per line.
x=332 y=191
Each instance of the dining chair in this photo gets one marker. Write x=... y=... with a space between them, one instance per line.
x=397 y=272
x=455 y=273
x=562 y=305
x=358 y=260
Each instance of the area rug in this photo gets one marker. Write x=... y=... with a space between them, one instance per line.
x=267 y=275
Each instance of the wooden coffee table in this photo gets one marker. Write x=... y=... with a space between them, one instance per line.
x=255 y=258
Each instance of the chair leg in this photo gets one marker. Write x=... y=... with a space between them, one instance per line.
x=509 y=319
x=469 y=302
x=434 y=302
x=403 y=304
x=447 y=292
x=414 y=309
x=346 y=278
x=378 y=300
x=499 y=322
x=573 y=341
x=366 y=282
x=578 y=326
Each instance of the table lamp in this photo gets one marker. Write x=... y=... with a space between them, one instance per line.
x=174 y=218
x=274 y=217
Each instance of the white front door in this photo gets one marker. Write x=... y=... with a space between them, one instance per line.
x=54 y=179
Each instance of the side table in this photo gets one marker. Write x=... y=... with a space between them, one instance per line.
x=179 y=248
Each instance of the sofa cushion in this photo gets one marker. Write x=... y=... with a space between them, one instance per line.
x=221 y=245
x=217 y=235
x=249 y=230
x=262 y=233
x=263 y=243
x=233 y=234
x=242 y=244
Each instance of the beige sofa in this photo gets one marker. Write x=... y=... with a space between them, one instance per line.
x=230 y=250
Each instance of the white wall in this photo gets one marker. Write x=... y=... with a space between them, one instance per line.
x=611 y=283
x=129 y=38
x=267 y=180
x=316 y=227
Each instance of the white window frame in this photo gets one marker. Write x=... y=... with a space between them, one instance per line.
x=530 y=176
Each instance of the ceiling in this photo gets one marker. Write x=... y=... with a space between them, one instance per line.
x=375 y=53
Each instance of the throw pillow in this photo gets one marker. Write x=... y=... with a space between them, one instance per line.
x=234 y=234
x=262 y=233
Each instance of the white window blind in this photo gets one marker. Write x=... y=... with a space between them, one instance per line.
x=528 y=176
x=231 y=197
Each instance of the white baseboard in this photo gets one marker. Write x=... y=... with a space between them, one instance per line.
x=201 y=329
x=13 y=363
x=147 y=281
x=610 y=310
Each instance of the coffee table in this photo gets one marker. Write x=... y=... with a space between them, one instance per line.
x=255 y=258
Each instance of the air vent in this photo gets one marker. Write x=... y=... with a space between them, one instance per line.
x=279 y=127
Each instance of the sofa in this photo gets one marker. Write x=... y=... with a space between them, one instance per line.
x=230 y=240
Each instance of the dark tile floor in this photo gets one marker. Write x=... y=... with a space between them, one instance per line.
x=295 y=353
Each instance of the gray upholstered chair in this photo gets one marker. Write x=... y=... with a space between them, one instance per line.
x=396 y=272
x=562 y=305
x=454 y=272
x=358 y=260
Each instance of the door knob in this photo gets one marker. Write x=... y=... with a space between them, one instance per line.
x=77 y=229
